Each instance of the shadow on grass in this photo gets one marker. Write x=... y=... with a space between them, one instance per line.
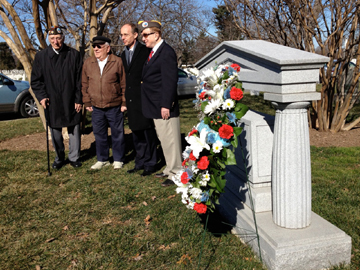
x=216 y=225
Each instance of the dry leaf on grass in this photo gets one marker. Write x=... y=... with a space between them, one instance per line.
x=172 y=196
x=153 y=198
x=147 y=220
x=66 y=228
x=50 y=240
x=145 y=203
x=138 y=257
x=37 y=267
x=184 y=258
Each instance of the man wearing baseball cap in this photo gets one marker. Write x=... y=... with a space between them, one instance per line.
x=56 y=82
x=159 y=96
x=103 y=87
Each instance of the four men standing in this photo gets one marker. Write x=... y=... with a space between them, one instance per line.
x=149 y=74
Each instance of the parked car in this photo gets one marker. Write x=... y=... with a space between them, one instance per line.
x=15 y=97
x=186 y=83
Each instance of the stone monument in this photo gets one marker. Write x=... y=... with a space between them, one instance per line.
x=277 y=160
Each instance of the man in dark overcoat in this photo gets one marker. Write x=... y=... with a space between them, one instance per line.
x=134 y=57
x=56 y=82
x=159 y=96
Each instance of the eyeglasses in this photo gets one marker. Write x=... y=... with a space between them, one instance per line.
x=146 y=35
x=97 y=46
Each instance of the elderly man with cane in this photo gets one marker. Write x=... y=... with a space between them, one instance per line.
x=56 y=82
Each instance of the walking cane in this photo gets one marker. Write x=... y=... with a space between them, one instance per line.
x=47 y=137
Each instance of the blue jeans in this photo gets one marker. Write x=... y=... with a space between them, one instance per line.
x=113 y=117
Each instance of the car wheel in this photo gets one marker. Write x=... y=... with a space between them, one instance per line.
x=28 y=107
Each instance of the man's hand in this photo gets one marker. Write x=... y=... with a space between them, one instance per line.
x=123 y=108
x=165 y=113
x=89 y=109
x=44 y=102
x=78 y=107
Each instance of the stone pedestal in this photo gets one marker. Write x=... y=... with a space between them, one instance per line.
x=321 y=245
x=291 y=166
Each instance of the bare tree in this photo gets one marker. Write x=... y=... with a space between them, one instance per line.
x=331 y=25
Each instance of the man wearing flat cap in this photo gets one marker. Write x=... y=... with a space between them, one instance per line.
x=103 y=87
x=56 y=82
x=159 y=96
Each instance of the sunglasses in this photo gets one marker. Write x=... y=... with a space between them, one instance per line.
x=97 y=46
x=146 y=35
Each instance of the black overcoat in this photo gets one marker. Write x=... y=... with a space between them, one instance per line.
x=159 y=87
x=137 y=121
x=58 y=77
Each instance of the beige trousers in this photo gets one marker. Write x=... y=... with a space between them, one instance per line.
x=168 y=132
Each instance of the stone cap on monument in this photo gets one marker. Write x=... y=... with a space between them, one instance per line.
x=284 y=74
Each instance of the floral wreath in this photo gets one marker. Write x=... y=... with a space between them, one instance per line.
x=202 y=177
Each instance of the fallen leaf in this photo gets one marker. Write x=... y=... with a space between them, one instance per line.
x=138 y=257
x=66 y=228
x=183 y=259
x=172 y=196
x=50 y=240
x=37 y=267
x=147 y=220
x=153 y=198
x=144 y=203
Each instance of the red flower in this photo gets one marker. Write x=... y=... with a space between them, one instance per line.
x=226 y=131
x=184 y=178
x=192 y=157
x=202 y=95
x=192 y=132
x=236 y=93
x=184 y=162
x=200 y=208
x=203 y=163
x=236 y=67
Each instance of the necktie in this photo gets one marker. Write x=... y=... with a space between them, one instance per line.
x=150 y=55
x=130 y=56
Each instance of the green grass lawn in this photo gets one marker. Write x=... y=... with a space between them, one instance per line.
x=84 y=219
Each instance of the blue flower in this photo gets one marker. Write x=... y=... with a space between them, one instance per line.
x=224 y=142
x=227 y=93
x=231 y=117
x=205 y=196
x=202 y=125
x=189 y=172
x=211 y=137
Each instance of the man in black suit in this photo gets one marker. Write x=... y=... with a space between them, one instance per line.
x=134 y=57
x=159 y=96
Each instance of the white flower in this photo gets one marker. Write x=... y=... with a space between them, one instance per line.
x=209 y=76
x=217 y=147
x=196 y=193
x=197 y=144
x=206 y=176
x=190 y=205
x=212 y=106
x=194 y=169
x=228 y=104
x=186 y=152
x=203 y=183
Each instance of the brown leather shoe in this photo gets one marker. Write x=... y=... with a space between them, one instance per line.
x=167 y=183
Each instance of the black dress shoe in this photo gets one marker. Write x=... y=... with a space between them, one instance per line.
x=147 y=172
x=57 y=165
x=134 y=170
x=167 y=183
x=161 y=175
x=75 y=164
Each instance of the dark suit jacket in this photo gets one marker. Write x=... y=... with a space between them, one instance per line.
x=159 y=87
x=137 y=121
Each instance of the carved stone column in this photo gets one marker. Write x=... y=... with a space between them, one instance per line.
x=291 y=166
